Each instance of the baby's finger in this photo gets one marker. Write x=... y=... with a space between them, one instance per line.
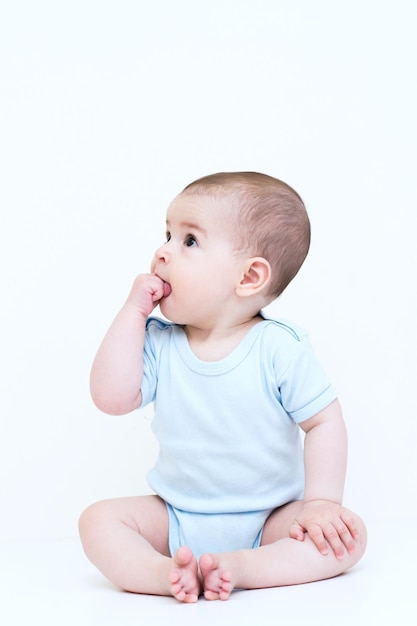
x=316 y=535
x=167 y=289
x=333 y=535
x=349 y=520
x=158 y=289
x=348 y=535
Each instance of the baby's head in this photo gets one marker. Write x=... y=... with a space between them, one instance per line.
x=267 y=219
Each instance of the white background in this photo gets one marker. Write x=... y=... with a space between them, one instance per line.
x=108 y=109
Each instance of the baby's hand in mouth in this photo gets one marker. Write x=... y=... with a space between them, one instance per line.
x=167 y=289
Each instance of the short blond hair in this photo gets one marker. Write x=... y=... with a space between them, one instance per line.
x=270 y=220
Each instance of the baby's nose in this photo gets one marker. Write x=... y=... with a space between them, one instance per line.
x=161 y=254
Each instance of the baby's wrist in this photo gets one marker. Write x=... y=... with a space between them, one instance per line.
x=322 y=501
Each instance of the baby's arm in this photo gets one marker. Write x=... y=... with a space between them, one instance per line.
x=325 y=456
x=117 y=371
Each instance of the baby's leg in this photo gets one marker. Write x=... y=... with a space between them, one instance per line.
x=127 y=540
x=279 y=560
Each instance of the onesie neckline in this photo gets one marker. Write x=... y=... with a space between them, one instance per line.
x=221 y=366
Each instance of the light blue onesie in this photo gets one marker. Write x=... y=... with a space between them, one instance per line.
x=228 y=430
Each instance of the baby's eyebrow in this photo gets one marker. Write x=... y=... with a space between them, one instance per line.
x=192 y=226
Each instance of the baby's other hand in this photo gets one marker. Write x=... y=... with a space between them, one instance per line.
x=327 y=524
x=147 y=292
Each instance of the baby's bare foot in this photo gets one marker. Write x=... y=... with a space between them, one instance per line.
x=183 y=577
x=217 y=581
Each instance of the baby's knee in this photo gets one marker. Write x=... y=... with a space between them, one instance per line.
x=91 y=520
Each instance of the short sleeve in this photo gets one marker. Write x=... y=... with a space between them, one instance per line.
x=304 y=386
x=151 y=357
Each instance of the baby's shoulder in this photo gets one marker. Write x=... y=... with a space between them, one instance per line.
x=284 y=330
x=283 y=342
x=159 y=332
x=155 y=324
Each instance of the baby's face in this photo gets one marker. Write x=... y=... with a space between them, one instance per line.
x=198 y=260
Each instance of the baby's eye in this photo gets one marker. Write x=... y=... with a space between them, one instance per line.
x=190 y=241
x=167 y=236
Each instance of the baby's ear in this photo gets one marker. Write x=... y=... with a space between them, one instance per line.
x=256 y=275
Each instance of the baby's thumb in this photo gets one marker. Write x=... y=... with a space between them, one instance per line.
x=297 y=531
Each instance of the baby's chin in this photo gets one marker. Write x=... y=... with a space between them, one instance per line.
x=169 y=314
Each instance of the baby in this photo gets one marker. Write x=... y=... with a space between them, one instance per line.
x=240 y=502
